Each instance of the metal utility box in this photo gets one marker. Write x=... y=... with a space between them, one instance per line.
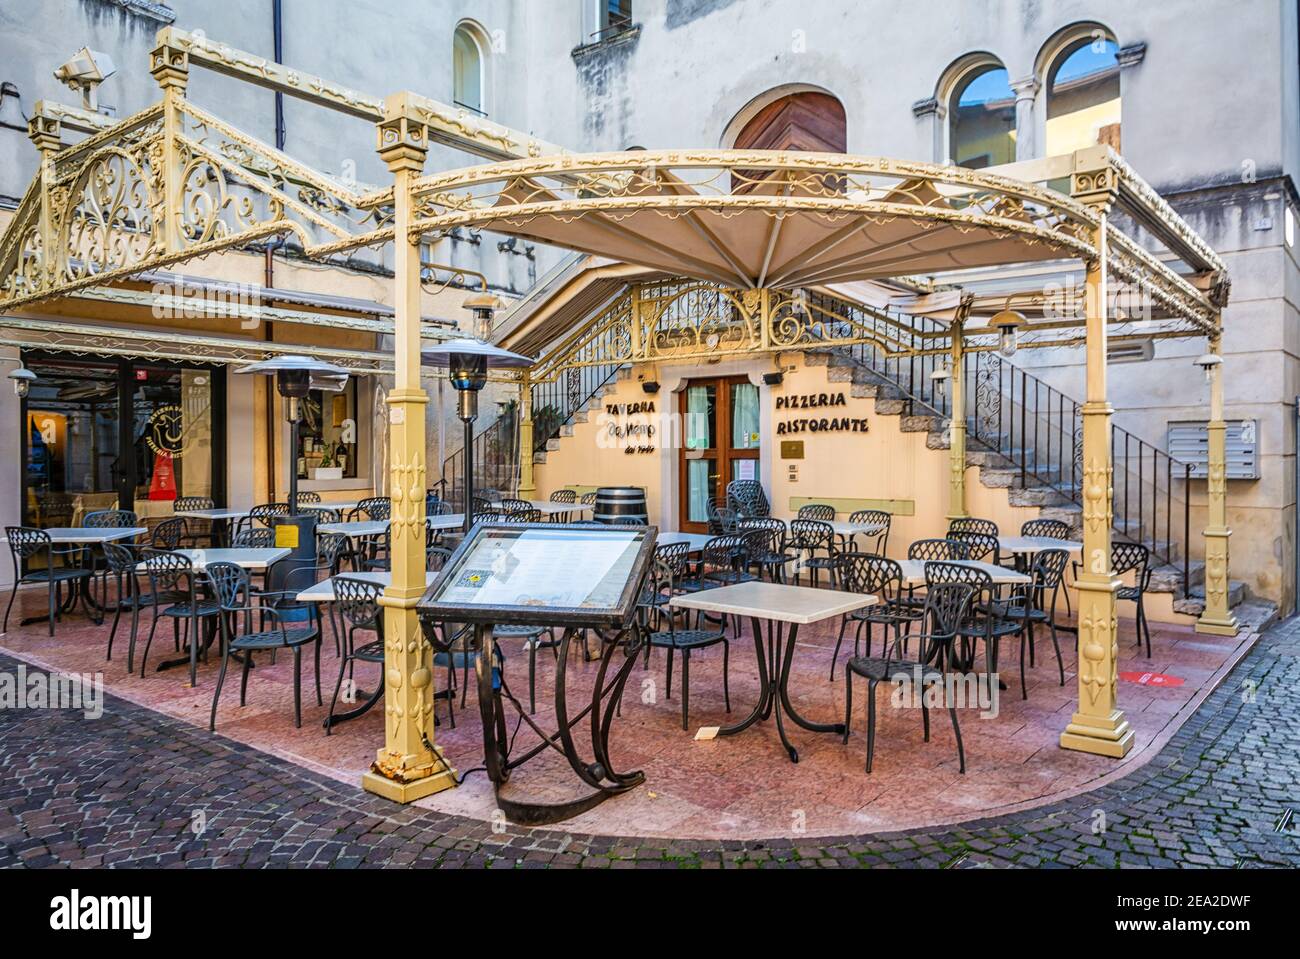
x=1189 y=442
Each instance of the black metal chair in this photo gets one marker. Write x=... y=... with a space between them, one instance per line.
x=1136 y=559
x=938 y=549
x=815 y=545
x=879 y=542
x=265 y=511
x=306 y=498
x=817 y=511
x=439 y=508
x=200 y=530
x=357 y=604
x=171 y=533
x=566 y=496
x=375 y=508
x=526 y=515
x=985 y=529
x=983 y=622
x=174 y=594
x=27 y=543
x=122 y=563
x=880 y=577
x=587 y=499
x=747 y=499
x=971 y=524
x=765 y=545
x=658 y=621
x=1029 y=605
x=511 y=505
x=282 y=622
x=946 y=607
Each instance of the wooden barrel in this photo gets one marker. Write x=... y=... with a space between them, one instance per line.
x=621 y=505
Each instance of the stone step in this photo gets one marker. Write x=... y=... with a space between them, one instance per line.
x=917 y=424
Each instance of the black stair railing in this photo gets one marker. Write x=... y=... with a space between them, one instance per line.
x=496 y=458
x=1037 y=428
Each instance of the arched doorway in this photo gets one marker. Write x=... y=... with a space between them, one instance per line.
x=807 y=120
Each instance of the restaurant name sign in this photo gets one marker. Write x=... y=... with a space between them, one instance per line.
x=817 y=424
x=630 y=427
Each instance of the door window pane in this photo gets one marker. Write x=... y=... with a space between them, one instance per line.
x=72 y=441
x=702 y=487
x=701 y=417
x=744 y=416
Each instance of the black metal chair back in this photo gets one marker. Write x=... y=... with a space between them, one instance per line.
x=587 y=499
x=263 y=513
x=357 y=602
x=1047 y=573
x=873 y=575
x=509 y=505
x=229 y=586
x=483 y=505
x=435 y=558
x=183 y=504
x=1134 y=558
x=875 y=517
x=374 y=508
x=529 y=515
x=306 y=497
x=168 y=572
x=811 y=535
x=747 y=498
x=947 y=607
x=110 y=519
x=169 y=534
x=120 y=559
x=1051 y=528
x=439 y=508
x=970 y=524
x=723 y=558
x=253 y=537
x=675 y=556
x=330 y=549
x=722 y=520
x=979 y=546
x=564 y=496
x=818 y=511
x=938 y=549
x=25 y=542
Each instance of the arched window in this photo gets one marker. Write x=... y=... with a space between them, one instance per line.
x=982 y=118
x=1083 y=97
x=467 y=70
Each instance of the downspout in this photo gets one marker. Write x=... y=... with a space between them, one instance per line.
x=273 y=244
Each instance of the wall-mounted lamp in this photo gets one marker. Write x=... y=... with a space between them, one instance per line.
x=22 y=379
x=939 y=380
x=1008 y=324
x=774 y=379
x=650 y=386
x=1208 y=363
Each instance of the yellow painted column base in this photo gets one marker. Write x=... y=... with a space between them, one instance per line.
x=1102 y=736
x=437 y=776
x=1225 y=627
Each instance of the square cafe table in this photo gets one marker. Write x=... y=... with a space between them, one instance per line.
x=696 y=541
x=83 y=536
x=779 y=604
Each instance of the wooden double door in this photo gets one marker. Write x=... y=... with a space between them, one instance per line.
x=720 y=442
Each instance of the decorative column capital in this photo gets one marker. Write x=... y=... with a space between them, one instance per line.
x=1131 y=55
x=929 y=107
x=403 y=137
x=170 y=66
x=1026 y=88
x=46 y=132
x=1096 y=188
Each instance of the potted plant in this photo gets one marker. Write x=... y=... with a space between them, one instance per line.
x=326 y=469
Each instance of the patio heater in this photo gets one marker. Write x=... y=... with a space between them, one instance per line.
x=295 y=377
x=467 y=361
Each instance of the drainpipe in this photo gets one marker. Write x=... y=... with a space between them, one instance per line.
x=273 y=244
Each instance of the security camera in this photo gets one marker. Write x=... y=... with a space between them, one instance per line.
x=84 y=72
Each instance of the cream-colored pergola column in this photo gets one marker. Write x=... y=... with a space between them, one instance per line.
x=1217 y=618
x=527 y=482
x=957 y=427
x=1098 y=725
x=170 y=67
x=409 y=766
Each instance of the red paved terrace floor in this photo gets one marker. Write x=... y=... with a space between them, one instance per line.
x=738 y=787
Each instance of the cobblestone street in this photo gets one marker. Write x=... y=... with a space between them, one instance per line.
x=135 y=788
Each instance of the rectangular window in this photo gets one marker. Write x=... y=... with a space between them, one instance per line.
x=615 y=17
x=328 y=434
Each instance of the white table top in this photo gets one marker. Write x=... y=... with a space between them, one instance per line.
x=377 y=527
x=696 y=540
x=323 y=592
x=341 y=506
x=843 y=528
x=218 y=513
x=914 y=572
x=775 y=601
x=547 y=508
x=91 y=534
x=1036 y=544
x=248 y=558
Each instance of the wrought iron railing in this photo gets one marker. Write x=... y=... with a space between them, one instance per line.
x=496 y=459
x=1038 y=429
x=555 y=403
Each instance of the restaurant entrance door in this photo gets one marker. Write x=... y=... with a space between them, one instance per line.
x=720 y=443
x=119 y=434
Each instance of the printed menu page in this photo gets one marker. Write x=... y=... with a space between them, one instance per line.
x=536 y=567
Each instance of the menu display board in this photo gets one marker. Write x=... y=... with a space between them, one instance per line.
x=543 y=573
